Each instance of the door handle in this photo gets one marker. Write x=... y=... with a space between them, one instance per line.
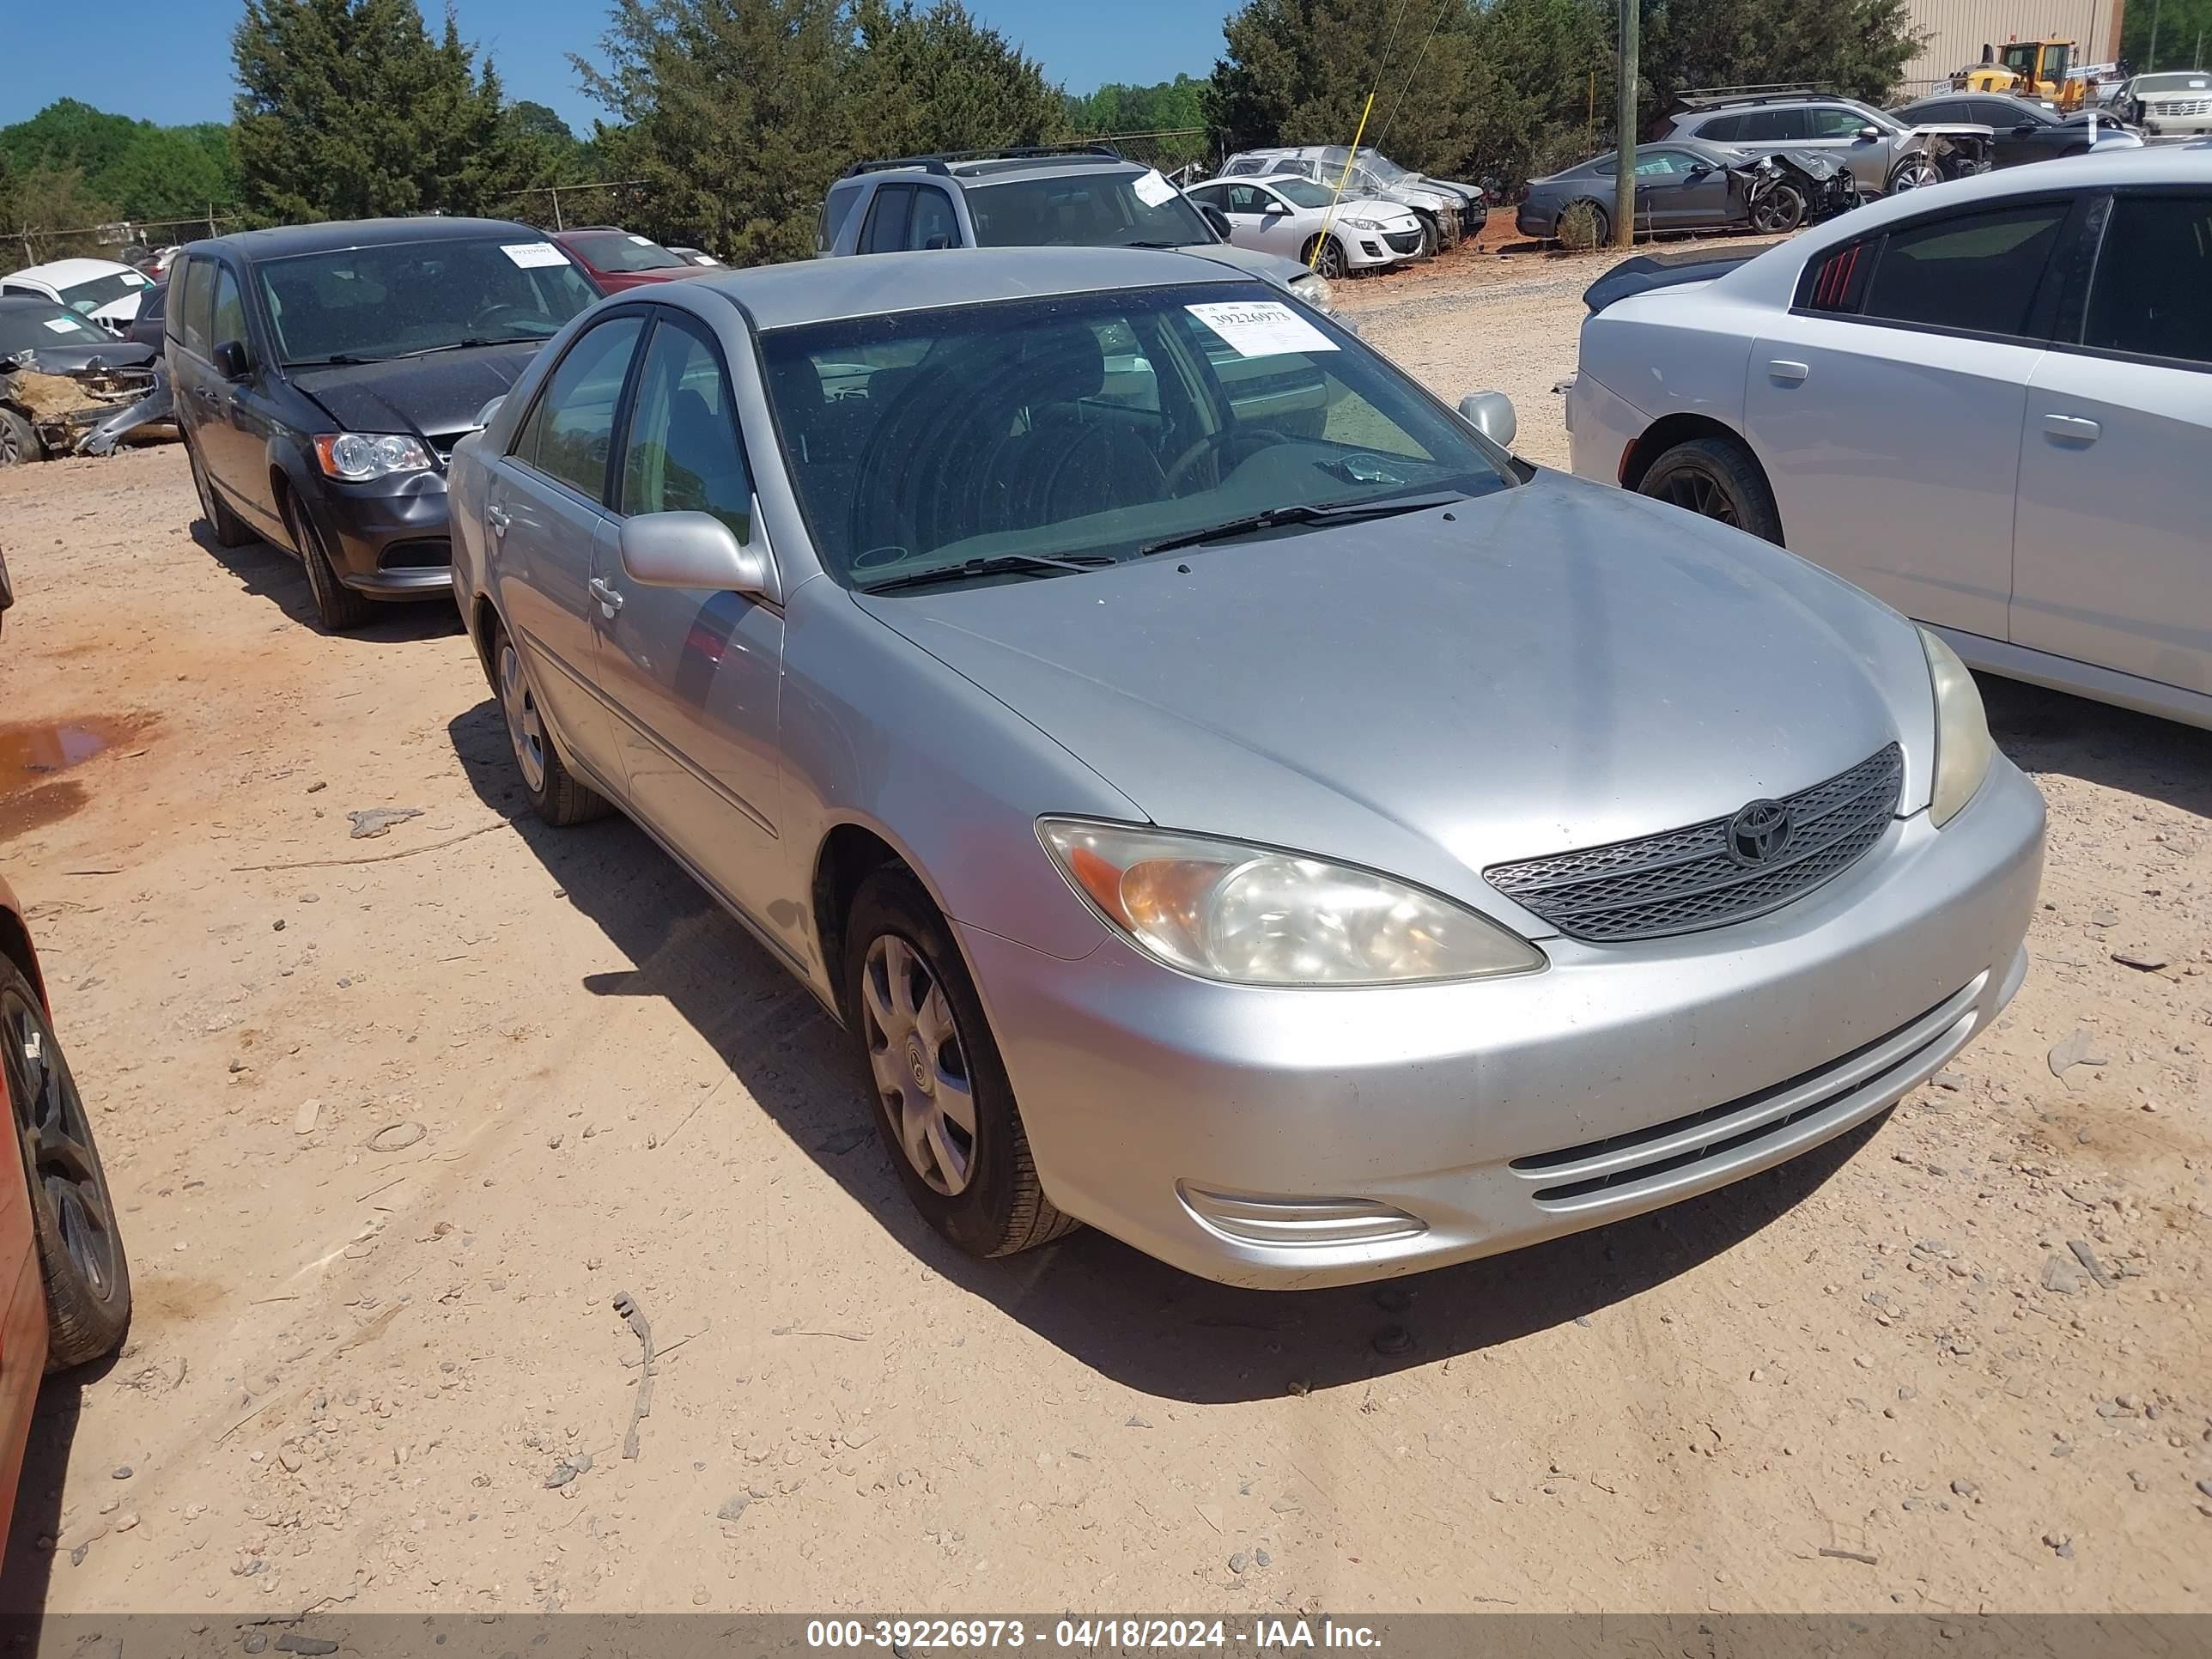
x=495 y=516
x=610 y=601
x=2071 y=429
x=1787 y=372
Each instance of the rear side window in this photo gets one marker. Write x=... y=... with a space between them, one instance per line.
x=568 y=434
x=2151 y=293
x=885 y=229
x=1721 y=130
x=194 y=302
x=1774 y=127
x=1976 y=271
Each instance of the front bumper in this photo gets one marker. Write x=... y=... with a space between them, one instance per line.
x=1297 y=1138
x=390 y=539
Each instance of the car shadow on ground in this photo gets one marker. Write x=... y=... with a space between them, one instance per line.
x=2043 y=730
x=1134 y=1319
x=268 y=572
x=31 y=1559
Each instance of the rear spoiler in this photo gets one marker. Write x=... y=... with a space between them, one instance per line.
x=1649 y=270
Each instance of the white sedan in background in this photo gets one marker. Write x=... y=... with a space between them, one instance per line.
x=1289 y=215
x=1987 y=402
x=99 y=291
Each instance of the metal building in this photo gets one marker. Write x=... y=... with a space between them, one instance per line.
x=1957 y=30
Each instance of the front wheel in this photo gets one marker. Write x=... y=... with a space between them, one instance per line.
x=1715 y=478
x=1332 y=263
x=1781 y=208
x=87 y=1280
x=19 y=441
x=943 y=1106
x=1914 y=173
x=337 y=607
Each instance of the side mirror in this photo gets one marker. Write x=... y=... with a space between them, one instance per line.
x=694 y=550
x=1491 y=413
x=2023 y=129
x=490 y=412
x=1869 y=132
x=1700 y=170
x=1217 y=218
x=232 y=360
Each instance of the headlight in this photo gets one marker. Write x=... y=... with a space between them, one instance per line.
x=1963 y=748
x=1363 y=224
x=1253 y=916
x=1313 y=287
x=357 y=457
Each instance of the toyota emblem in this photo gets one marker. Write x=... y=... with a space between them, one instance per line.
x=1761 y=833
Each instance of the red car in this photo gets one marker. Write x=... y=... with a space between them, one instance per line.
x=617 y=260
x=64 y=1286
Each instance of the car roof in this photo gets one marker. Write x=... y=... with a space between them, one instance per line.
x=825 y=290
x=287 y=240
x=63 y=273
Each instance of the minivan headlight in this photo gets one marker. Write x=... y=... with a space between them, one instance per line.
x=1963 y=749
x=1313 y=287
x=357 y=457
x=1255 y=915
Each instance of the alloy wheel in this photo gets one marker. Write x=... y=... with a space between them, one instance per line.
x=525 y=729
x=1331 y=260
x=11 y=451
x=56 y=1141
x=920 y=1067
x=1781 y=208
x=1914 y=173
x=1700 y=493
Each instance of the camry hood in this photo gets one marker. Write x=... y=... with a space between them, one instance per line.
x=1555 y=667
x=432 y=397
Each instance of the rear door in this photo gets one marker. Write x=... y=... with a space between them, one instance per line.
x=2113 y=540
x=1885 y=406
x=545 y=511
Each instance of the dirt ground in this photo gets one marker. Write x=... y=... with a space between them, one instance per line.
x=393 y=1120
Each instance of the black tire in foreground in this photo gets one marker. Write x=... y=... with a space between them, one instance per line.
x=556 y=795
x=337 y=607
x=944 y=1105
x=1718 y=478
x=81 y=1259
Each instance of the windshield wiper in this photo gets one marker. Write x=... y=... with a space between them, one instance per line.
x=465 y=345
x=1003 y=564
x=336 y=359
x=1300 y=513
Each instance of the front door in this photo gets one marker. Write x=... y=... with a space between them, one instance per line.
x=545 y=511
x=2113 y=536
x=693 y=675
x=1901 y=384
x=1674 y=188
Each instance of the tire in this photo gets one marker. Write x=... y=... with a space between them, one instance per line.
x=928 y=1053
x=81 y=1259
x=1565 y=233
x=19 y=441
x=228 y=529
x=555 y=793
x=1781 y=209
x=1913 y=174
x=1430 y=240
x=1333 y=265
x=1717 y=478
x=337 y=607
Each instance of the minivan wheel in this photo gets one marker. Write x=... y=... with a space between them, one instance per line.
x=19 y=441
x=337 y=607
x=228 y=528
x=555 y=793
x=1719 y=479
x=81 y=1259
x=1332 y=263
x=943 y=1106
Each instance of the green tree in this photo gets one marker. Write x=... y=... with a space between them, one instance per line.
x=2183 y=31
x=142 y=171
x=1856 y=48
x=40 y=200
x=1163 y=106
x=937 y=80
x=350 y=109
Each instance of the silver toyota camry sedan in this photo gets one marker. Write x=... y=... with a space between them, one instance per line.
x=1229 y=798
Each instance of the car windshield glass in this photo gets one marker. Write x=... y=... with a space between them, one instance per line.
x=1090 y=426
x=26 y=328
x=2155 y=83
x=1388 y=171
x=1085 y=210
x=375 y=302
x=89 y=296
x=617 y=250
x=1301 y=192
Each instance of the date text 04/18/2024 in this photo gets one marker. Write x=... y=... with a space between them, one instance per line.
x=1090 y=1634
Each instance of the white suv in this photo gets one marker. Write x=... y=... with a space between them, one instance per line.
x=1988 y=402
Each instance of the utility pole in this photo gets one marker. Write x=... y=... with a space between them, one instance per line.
x=1624 y=169
x=2150 y=58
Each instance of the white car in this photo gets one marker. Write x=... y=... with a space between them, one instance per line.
x=2171 y=104
x=99 y=291
x=1987 y=402
x=1287 y=214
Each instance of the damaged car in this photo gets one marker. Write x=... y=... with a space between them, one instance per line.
x=1884 y=154
x=61 y=377
x=1690 y=185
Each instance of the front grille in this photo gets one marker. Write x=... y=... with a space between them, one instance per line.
x=2185 y=106
x=425 y=554
x=1685 y=879
x=1403 y=241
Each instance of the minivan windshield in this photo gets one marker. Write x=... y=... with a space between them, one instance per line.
x=1085 y=210
x=366 y=304
x=1084 y=428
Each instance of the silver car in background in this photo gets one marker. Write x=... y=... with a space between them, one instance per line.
x=1310 y=849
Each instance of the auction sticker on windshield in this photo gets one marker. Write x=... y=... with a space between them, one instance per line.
x=63 y=326
x=1151 y=189
x=530 y=255
x=1260 y=328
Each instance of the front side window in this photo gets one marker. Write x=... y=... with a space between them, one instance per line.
x=370 y=304
x=1084 y=428
x=1083 y=209
x=1247 y=199
x=885 y=230
x=1833 y=123
x=195 y=306
x=229 y=320
x=2151 y=293
x=932 y=224
x=683 y=454
x=1663 y=164
x=568 y=435
x=836 y=207
x=1304 y=192
x=1976 y=271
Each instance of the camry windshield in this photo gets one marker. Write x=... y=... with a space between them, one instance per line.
x=26 y=328
x=1056 y=434
x=1085 y=210
x=365 y=304
x=617 y=250
x=89 y=296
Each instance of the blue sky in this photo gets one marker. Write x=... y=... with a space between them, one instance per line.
x=169 y=60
